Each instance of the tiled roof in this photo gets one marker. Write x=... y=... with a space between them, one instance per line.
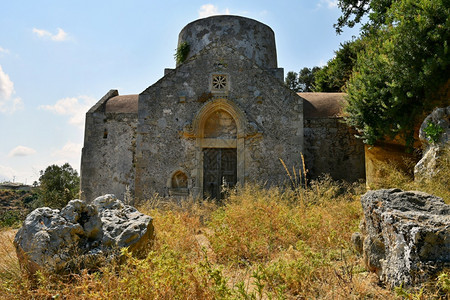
x=122 y=104
x=322 y=105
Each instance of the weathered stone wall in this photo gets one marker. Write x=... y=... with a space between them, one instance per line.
x=253 y=39
x=273 y=119
x=330 y=147
x=107 y=164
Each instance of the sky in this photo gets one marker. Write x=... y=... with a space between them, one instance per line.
x=58 y=58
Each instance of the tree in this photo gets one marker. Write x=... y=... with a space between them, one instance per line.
x=334 y=76
x=291 y=81
x=303 y=81
x=58 y=185
x=353 y=12
x=307 y=78
x=405 y=62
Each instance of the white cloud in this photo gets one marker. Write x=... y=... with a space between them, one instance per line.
x=68 y=151
x=332 y=3
x=208 y=10
x=3 y=50
x=328 y=3
x=6 y=85
x=60 y=36
x=74 y=107
x=21 y=151
x=8 y=103
x=42 y=32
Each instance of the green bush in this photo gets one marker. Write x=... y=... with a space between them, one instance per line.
x=11 y=218
x=433 y=132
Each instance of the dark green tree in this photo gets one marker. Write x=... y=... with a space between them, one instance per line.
x=303 y=81
x=58 y=185
x=334 y=75
x=306 y=79
x=354 y=11
x=405 y=62
x=291 y=81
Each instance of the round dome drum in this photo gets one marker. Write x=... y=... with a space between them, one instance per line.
x=251 y=38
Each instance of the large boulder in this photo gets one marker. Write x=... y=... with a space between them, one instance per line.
x=434 y=134
x=406 y=235
x=81 y=235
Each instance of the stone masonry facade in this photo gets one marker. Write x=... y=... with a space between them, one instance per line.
x=221 y=117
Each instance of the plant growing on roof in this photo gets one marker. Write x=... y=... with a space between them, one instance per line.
x=182 y=52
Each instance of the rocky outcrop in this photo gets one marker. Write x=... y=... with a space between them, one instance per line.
x=81 y=235
x=434 y=134
x=406 y=235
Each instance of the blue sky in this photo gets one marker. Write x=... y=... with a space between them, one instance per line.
x=57 y=58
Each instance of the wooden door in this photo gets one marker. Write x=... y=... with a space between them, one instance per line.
x=219 y=168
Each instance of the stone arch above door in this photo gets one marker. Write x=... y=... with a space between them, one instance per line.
x=197 y=128
x=244 y=128
x=219 y=124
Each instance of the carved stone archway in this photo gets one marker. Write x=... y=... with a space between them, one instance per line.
x=220 y=124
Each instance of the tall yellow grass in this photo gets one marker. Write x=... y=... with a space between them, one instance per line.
x=291 y=243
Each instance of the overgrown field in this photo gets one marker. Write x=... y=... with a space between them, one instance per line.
x=261 y=243
x=14 y=206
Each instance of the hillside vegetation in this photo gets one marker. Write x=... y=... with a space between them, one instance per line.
x=14 y=206
x=262 y=243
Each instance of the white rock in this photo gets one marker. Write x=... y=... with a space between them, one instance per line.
x=81 y=235
x=407 y=235
x=429 y=165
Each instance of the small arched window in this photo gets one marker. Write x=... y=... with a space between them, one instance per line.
x=179 y=180
x=178 y=185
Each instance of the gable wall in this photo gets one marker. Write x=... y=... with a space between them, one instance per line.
x=168 y=108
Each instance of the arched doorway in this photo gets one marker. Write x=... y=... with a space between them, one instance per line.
x=220 y=162
x=219 y=130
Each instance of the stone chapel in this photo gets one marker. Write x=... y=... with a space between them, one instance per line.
x=223 y=116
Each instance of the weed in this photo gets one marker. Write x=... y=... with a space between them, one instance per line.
x=298 y=179
x=433 y=131
x=182 y=52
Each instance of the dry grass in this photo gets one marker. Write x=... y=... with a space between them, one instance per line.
x=260 y=244
x=9 y=266
x=394 y=177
